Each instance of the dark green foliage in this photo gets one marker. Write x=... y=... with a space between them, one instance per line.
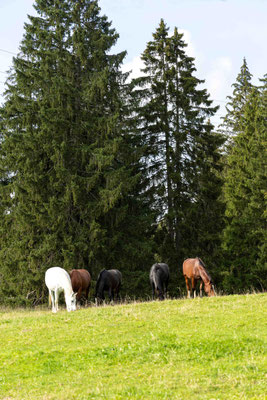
x=245 y=196
x=68 y=201
x=98 y=173
x=233 y=121
x=181 y=152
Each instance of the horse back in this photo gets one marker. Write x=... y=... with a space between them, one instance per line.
x=190 y=267
x=159 y=270
x=195 y=268
x=57 y=278
x=115 y=277
x=80 y=279
x=86 y=278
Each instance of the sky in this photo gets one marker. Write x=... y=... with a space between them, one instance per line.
x=219 y=34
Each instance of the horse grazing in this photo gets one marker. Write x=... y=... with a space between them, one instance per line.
x=159 y=279
x=194 y=270
x=109 y=280
x=58 y=280
x=80 y=281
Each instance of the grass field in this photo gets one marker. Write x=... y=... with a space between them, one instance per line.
x=210 y=348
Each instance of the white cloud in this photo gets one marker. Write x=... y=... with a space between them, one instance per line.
x=218 y=81
x=190 y=49
x=134 y=66
x=219 y=78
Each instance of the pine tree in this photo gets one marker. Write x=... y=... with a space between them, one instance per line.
x=64 y=147
x=245 y=188
x=181 y=148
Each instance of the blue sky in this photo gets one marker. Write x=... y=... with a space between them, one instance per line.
x=219 y=34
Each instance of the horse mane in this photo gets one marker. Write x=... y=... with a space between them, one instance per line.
x=203 y=271
x=101 y=272
x=201 y=262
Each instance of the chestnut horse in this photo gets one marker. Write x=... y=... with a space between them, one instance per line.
x=81 y=281
x=194 y=270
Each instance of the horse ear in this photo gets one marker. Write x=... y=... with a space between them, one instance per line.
x=75 y=294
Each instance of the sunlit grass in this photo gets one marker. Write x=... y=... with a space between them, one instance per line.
x=210 y=348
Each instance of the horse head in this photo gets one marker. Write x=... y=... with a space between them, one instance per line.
x=209 y=288
x=99 y=298
x=100 y=284
x=71 y=302
x=161 y=296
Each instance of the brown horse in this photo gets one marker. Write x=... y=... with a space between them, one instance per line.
x=80 y=281
x=194 y=270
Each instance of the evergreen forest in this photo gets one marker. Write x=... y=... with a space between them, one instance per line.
x=98 y=170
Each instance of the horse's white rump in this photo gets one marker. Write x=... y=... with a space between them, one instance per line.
x=58 y=280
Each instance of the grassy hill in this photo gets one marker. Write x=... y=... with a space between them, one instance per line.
x=210 y=348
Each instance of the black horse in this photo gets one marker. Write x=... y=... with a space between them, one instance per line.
x=109 y=280
x=159 y=279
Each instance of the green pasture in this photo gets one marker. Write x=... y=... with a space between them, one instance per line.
x=209 y=348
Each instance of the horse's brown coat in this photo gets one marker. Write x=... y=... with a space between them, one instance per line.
x=81 y=281
x=194 y=270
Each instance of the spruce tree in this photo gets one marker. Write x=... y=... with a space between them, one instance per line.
x=245 y=191
x=64 y=148
x=233 y=121
x=182 y=150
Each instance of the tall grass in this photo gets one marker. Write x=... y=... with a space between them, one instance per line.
x=210 y=348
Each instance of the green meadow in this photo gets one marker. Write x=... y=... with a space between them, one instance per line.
x=209 y=348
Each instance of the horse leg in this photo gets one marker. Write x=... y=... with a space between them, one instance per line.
x=200 y=288
x=54 y=306
x=86 y=295
x=188 y=287
x=56 y=301
x=161 y=292
x=194 y=288
x=153 y=290
x=79 y=295
x=110 y=294
x=166 y=288
x=51 y=295
x=117 y=293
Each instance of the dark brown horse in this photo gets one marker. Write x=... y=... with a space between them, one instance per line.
x=194 y=270
x=159 y=279
x=80 y=281
x=108 y=280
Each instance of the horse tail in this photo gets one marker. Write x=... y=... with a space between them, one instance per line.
x=156 y=279
x=49 y=299
x=97 y=285
x=98 y=282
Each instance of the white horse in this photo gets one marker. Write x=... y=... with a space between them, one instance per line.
x=58 y=280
